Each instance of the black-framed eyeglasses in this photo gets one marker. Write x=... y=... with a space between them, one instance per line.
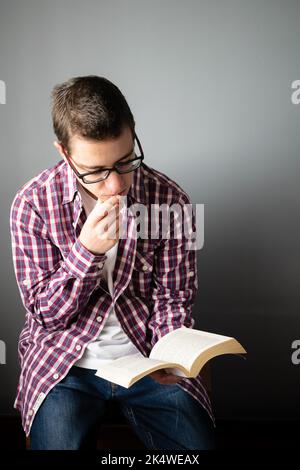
x=121 y=167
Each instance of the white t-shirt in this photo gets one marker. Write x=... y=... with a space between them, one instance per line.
x=112 y=341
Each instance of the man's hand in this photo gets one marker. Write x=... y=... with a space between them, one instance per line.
x=164 y=377
x=100 y=231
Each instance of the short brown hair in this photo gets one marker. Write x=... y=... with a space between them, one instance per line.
x=91 y=107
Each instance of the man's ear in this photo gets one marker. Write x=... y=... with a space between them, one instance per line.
x=59 y=148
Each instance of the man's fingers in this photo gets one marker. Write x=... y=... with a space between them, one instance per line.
x=113 y=233
x=111 y=217
x=102 y=208
x=164 y=377
x=108 y=230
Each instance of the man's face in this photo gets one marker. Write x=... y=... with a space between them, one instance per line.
x=89 y=155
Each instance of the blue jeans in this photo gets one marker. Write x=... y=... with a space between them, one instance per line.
x=162 y=416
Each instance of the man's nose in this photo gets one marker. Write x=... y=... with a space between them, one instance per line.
x=114 y=183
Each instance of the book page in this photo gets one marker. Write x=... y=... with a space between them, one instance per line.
x=184 y=345
x=122 y=370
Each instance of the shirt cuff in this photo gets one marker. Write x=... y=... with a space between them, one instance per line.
x=84 y=264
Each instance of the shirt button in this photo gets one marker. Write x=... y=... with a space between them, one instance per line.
x=55 y=376
x=99 y=319
x=30 y=412
x=191 y=273
x=78 y=347
x=25 y=282
x=145 y=268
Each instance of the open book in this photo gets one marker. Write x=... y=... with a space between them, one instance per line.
x=183 y=352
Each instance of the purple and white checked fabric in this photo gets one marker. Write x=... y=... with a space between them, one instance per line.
x=66 y=299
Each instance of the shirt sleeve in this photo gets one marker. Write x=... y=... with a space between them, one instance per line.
x=175 y=277
x=54 y=290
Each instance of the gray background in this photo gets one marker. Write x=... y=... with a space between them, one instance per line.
x=209 y=83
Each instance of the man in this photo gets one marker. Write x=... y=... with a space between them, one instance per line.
x=92 y=296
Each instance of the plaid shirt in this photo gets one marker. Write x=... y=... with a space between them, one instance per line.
x=64 y=295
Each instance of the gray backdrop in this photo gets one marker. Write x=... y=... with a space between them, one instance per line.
x=209 y=83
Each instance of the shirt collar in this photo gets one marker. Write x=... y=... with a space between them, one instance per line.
x=136 y=191
x=137 y=188
x=69 y=183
